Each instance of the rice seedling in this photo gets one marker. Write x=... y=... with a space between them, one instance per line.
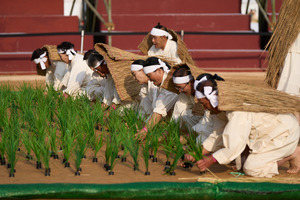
x=36 y=143
x=155 y=134
x=133 y=119
x=194 y=148
x=171 y=135
x=12 y=130
x=108 y=152
x=44 y=147
x=96 y=143
x=145 y=147
x=132 y=144
x=178 y=152
x=26 y=140
x=67 y=144
x=5 y=94
x=51 y=129
x=79 y=151
x=3 y=147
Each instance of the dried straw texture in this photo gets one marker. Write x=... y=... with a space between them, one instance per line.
x=285 y=33
x=119 y=62
x=235 y=96
x=52 y=52
x=182 y=50
x=53 y=55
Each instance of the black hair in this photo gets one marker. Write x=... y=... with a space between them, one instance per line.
x=139 y=62
x=92 y=58
x=65 y=46
x=37 y=53
x=183 y=70
x=158 y=26
x=154 y=61
x=209 y=77
x=88 y=53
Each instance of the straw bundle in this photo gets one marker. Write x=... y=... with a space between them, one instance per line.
x=235 y=96
x=119 y=62
x=52 y=52
x=182 y=50
x=285 y=33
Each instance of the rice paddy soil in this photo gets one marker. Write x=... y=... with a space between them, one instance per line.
x=27 y=173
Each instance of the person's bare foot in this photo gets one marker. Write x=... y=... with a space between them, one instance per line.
x=294 y=162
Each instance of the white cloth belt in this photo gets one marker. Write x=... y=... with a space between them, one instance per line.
x=136 y=67
x=159 y=32
x=41 y=60
x=183 y=79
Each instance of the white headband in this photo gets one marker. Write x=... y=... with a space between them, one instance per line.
x=99 y=63
x=136 y=67
x=152 y=68
x=183 y=79
x=159 y=32
x=41 y=60
x=208 y=92
x=69 y=52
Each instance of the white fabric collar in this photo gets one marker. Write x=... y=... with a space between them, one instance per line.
x=41 y=60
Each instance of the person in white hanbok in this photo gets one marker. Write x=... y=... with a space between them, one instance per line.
x=110 y=95
x=184 y=83
x=55 y=70
x=157 y=71
x=163 y=45
x=148 y=90
x=95 y=88
x=272 y=138
x=79 y=72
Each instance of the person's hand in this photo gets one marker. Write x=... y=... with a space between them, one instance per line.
x=187 y=158
x=141 y=134
x=65 y=95
x=205 y=163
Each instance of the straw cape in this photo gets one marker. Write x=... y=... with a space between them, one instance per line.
x=53 y=55
x=235 y=96
x=119 y=63
x=285 y=33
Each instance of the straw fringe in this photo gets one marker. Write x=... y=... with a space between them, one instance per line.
x=285 y=33
x=234 y=96
x=119 y=62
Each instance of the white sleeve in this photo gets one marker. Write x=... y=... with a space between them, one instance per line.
x=174 y=53
x=164 y=102
x=95 y=88
x=181 y=106
x=50 y=75
x=77 y=76
x=60 y=70
x=235 y=137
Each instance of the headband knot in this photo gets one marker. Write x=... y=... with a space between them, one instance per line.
x=41 y=60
